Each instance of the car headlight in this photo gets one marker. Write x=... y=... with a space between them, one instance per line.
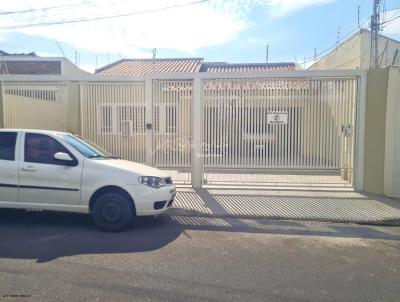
x=152 y=181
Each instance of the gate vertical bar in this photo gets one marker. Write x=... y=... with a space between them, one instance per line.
x=148 y=100
x=197 y=116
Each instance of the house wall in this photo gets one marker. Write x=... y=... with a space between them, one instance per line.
x=392 y=135
x=70 y=68
x=345 y=56
x=354 y=53
x=386 y=48
x=374 y=158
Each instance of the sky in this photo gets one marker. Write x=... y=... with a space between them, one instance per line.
x=235 y=31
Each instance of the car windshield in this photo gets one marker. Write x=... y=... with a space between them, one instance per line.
x=86 y=148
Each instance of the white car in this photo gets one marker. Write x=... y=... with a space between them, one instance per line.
x=58 y=171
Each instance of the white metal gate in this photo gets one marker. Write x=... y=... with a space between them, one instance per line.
x=113 y=116
x=172 y=114
x=314 y=127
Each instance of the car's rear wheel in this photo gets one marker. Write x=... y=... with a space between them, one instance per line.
x=112 y=212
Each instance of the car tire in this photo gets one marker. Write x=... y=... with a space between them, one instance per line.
x=112 y=212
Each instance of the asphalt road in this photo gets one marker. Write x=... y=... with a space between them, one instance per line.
x=62 y=257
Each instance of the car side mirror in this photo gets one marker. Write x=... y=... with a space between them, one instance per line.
x=65 y=158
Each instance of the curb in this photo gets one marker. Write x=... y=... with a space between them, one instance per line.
x=191 y=213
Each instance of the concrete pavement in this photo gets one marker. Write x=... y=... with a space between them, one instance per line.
x=311 y=205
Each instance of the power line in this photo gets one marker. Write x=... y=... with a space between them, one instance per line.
x=391 y=19
x=44 y=9
x=57 y=11
x=310 y=58
x=375 y=28
x=103 y=17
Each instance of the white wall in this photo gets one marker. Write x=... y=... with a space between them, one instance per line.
x=354 y=53
x=345 y=56
x=70 y=68
x=386 y=49
x=392 y=145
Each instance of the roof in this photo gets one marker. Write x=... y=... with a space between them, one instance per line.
x=143 y=66
x=183 y=65
x=247 y=67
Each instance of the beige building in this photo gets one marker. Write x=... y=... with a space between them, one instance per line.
x=354 y=53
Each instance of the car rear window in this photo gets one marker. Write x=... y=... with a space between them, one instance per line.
x=7 y=145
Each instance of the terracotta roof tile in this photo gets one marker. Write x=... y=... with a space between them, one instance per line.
x=247 y=67
x=185 y=65
x=143 y=66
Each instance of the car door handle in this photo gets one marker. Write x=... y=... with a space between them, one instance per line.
x=28 y=169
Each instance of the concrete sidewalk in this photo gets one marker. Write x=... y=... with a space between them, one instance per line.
x=328 y=206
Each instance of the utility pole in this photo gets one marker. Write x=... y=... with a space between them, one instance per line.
x=267 y=54
x=358 y=16
x=375 y=27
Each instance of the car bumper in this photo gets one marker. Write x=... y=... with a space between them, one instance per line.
x=149 y=201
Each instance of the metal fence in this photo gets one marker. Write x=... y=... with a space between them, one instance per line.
x=113 y=116
x=208 y=122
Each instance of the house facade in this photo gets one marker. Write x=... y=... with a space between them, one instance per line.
x=354 y=53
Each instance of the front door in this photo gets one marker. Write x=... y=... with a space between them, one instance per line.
x=8 y=167
x=43 y=179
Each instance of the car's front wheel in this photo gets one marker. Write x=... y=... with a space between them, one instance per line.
x=112 y=212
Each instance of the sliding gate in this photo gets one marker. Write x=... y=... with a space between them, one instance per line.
x=292 y=130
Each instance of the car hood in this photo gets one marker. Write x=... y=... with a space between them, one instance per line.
x=130 y=166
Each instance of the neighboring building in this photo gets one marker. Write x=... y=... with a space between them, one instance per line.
x=354 y=53
x=185 y=65
x=32 y=64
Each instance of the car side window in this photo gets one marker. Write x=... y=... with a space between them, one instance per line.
x=40 y=148
x=7 y=145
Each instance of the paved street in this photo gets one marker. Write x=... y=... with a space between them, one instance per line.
x=55 y=256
